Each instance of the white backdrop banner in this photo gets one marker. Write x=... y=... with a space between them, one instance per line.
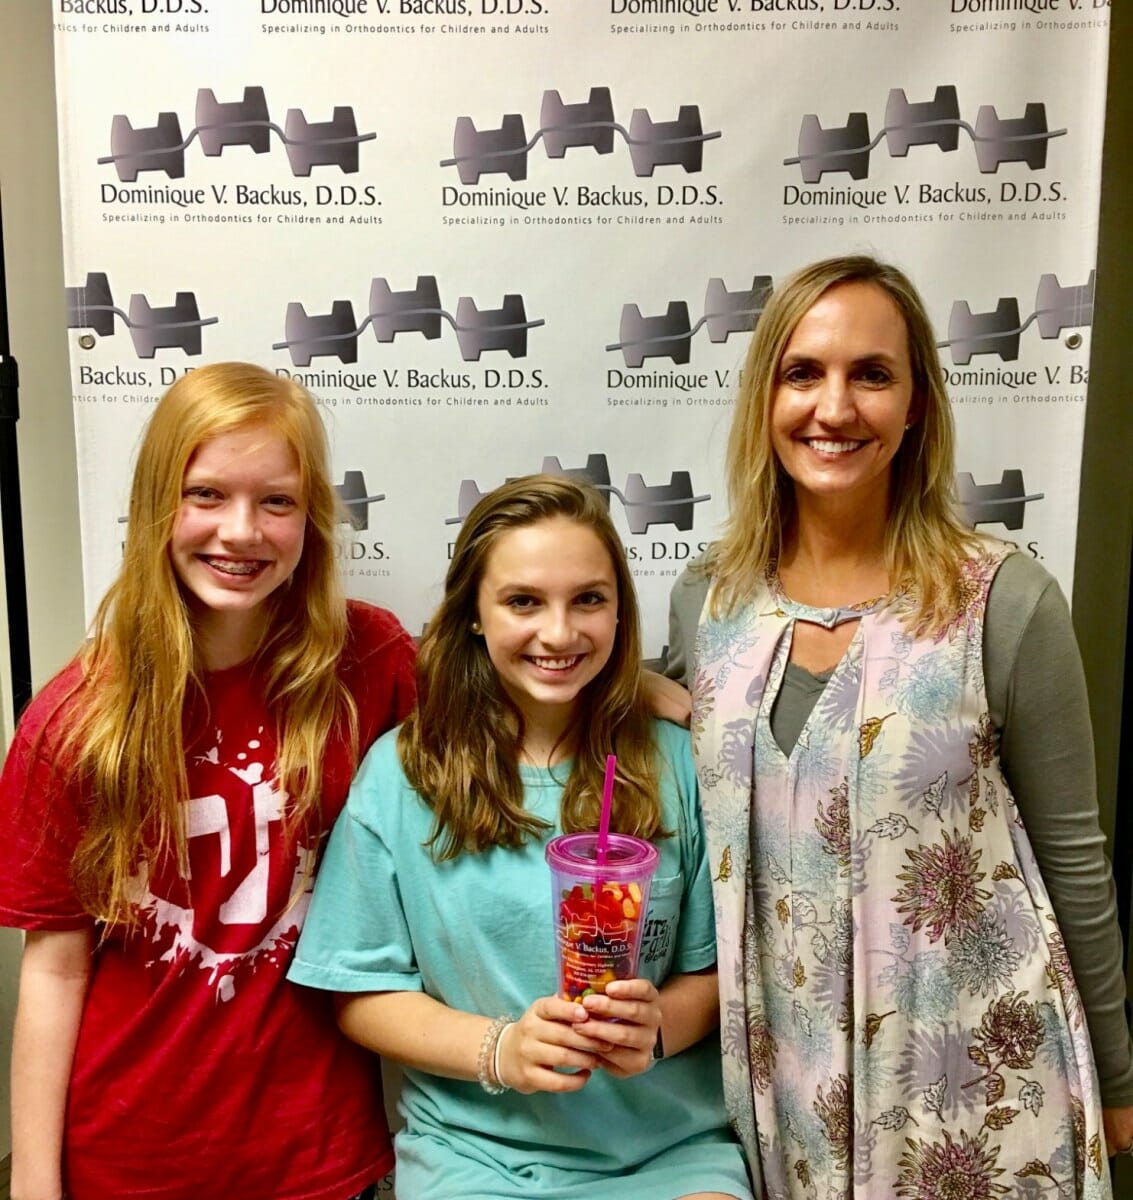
x=494 y=236
x=498 y=236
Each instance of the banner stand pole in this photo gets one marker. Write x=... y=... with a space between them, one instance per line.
x=10 y=508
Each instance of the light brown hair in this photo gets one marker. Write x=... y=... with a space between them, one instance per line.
x=460 y=749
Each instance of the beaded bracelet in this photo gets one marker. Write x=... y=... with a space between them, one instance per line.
x=485 y=1060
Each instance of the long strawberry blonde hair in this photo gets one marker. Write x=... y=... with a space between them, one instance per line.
x=460 y=748
x=140 y=673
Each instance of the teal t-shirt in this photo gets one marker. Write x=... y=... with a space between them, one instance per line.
x=476 y=934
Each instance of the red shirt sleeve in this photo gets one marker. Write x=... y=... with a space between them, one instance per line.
x=41 y=815
x=380 y=670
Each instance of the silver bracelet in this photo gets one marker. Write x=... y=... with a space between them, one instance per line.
x=486 y=1059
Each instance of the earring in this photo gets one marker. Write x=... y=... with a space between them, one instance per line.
x=908 y=427
x=476 y=628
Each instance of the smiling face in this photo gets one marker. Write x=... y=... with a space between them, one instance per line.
x=843 y=397
x=548 y=610
x=238 y=535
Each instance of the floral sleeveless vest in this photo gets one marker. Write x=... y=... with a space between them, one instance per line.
x=898 y=1013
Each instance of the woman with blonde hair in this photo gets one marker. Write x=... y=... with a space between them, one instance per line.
x=161 y=811
x=892 y=737
x=432 y=918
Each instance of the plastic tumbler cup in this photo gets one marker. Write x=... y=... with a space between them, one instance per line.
x=599 y=910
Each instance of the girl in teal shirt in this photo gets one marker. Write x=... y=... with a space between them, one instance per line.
x=432 y=916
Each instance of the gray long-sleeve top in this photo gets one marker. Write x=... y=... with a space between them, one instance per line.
x=1037 y=699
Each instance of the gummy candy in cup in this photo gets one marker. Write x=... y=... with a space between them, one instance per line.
x=599 y=909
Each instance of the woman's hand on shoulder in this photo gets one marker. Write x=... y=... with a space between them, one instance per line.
x=535 y=1049
x=1118 y=1126
x=626 y=1022
x=666 y=698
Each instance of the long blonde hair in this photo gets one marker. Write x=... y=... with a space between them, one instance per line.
x=140 y=673
x=460 y=749
x=925 y=540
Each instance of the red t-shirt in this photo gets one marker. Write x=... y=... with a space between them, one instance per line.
x=200 y=1071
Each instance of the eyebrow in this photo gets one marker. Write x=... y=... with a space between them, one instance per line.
x=875 y=356
x=279 y=483
x=589 y=586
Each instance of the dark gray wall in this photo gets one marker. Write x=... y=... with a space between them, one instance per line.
x=1105 y=520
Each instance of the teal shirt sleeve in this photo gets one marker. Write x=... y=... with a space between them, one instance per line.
x=696 y=934
x=356 y=937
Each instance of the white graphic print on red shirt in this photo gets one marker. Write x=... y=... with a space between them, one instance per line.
x=241 y=904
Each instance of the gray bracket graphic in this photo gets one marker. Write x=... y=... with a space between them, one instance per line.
x=499 y=151
x=158 y=148
x=242 y=123
x=590 y=123
x=653 y=337
x=932 y=122
x=666 y=143
x=670 y=335
x=984 y=333
x=999 y=140
x=332 y=143
x=994 y=503
x=840 y=148
x=1056 y=308
x=352 y=492
x=727 y=312
x=493 y=329
x=336 y=335
x=935 y=122
x=329 y=335
x=91 y=306
x=662 y=504
x=417 y=311
x=245 y=122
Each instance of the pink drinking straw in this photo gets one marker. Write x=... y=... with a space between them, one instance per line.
x=607 y=802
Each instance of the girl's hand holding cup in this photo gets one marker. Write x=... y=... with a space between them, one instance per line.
x=625 y=1023
x=544 y=1051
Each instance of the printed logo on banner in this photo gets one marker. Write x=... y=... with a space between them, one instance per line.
x=246 y=122
x=352 y=492
x=935 y=122
x=91 y=307
x=335 y=334
x=992 y=141
x=664 y=504
x=670 y=334
x=998 y=332
x=359 y=555
x=589 y=124
x=999 y=503
x=1059 y=313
